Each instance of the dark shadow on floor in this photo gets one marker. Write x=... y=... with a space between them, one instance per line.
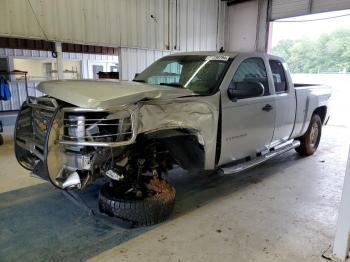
x=39 y=224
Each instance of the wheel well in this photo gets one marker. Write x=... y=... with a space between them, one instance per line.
x=321 y=111
x=183 y=145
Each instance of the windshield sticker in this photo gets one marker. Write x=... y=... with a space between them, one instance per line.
x=217 y=57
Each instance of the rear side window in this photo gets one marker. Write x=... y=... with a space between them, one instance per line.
x=279 y=77
x=253 y=70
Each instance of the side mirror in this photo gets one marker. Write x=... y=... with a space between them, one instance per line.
x=246 y=89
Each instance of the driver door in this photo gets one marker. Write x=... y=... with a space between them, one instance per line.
x=247 y=122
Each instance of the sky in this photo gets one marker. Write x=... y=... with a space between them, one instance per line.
x=311 y=30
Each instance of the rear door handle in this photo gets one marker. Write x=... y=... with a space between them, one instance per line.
x=267 y=107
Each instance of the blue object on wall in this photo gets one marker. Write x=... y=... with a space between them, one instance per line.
x=5 y=93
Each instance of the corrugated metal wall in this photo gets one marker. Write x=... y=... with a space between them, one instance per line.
x=200 y=24
x=185 y=24
x=134 y=60
x=241 y=26
x=7 y=52
x=18 y=87
x=200 y=27
x=18 y=94
x=24 y=53
x=326 y=5
x=290 y=8
x=103 y=22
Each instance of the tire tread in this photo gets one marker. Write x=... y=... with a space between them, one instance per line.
x=145 y=212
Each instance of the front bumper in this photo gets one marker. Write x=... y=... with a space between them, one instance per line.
x=56 y=136
x=32 y=125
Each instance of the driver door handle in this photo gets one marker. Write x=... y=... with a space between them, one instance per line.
x=267 y=107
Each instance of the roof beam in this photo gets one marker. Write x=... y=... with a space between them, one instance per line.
x=235 y=2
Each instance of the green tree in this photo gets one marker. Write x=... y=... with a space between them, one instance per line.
x=329 y=53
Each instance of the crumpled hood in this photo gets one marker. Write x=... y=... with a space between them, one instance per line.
x=106 y=93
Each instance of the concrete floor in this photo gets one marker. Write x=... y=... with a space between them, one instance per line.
x=284 y=210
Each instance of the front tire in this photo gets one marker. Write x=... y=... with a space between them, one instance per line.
x=311 y=139
x=152 y=209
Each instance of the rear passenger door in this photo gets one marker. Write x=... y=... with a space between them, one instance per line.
x=285 y=102
x=247 y=123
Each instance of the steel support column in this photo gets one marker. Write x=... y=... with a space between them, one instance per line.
x=59 y=59
x=262 y=27
x=342 y=237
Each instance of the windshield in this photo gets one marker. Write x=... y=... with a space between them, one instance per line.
x=201 y=74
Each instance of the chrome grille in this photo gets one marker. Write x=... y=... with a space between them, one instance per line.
x=41 y=121
x=99 y=128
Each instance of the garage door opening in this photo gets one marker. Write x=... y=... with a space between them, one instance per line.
x=316 y=48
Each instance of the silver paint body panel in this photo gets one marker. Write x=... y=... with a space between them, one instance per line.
x=246 y=129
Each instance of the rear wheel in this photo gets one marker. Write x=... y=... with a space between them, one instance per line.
x=145 y=206
x=311 y=139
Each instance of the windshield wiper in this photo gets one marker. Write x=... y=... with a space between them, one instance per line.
x=171 y=84
x=139 y=80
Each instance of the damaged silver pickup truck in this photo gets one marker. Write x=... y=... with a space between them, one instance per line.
x=200 y=111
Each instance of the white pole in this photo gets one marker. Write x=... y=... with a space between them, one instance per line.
x=58 y=47
x=342 y=236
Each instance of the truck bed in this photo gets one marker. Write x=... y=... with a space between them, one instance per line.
x=309 y=97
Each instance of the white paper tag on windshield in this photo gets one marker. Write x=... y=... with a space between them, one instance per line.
x=217 y=57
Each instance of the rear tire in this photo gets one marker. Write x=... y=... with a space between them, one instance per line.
x=140 y=212
x=311 y=139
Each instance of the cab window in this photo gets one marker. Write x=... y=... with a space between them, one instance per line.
x=279 y=76
x=252 y=70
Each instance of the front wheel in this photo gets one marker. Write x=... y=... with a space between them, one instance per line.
x=154 y=204
x=311 y=139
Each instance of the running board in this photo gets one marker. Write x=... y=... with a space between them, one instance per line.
x=256 y=161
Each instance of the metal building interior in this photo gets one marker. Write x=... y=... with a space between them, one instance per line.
x=290 y=208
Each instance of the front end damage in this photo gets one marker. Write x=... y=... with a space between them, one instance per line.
x=71 y=143
x=74 y=146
